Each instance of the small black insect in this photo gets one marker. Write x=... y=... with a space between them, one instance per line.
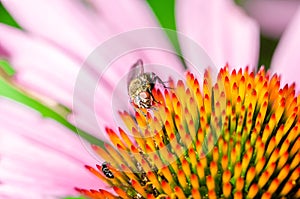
x=106 y=170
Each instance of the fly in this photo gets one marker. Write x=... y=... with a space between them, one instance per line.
x=140 y=85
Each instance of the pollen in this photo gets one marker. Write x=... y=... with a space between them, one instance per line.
x=234 y=137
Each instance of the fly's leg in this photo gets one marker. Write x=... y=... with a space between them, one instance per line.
x=141 y=112
x=157 y=78
x=136 y=109
x=145 y=115
x=150 y=92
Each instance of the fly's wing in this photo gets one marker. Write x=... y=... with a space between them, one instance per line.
x=135 y=70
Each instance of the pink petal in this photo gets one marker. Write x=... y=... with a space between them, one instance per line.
x=272 y=16
x=76 y=27
x=286 y=58
x=39 y=155
x=68 y=24
x=222 y=29
x=12 y=192
x=125 y=15
x=45 y=70
x=40 y=67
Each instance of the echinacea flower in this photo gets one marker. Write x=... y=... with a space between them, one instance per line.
x=58 y=53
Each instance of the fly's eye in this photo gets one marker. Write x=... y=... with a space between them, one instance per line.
x=144 y=95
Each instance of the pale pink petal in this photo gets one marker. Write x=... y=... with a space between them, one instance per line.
x=9 y=191
x=286 y=58
x=68 y=24
x=222 y=29
x=40 y=67
x=125 y=15
x=40 y=155
x=46 y=71
x=273 y=16
x=78 y=28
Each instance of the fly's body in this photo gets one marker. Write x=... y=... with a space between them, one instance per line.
x=140 y=85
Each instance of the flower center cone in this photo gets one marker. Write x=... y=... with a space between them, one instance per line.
x=235 y=138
